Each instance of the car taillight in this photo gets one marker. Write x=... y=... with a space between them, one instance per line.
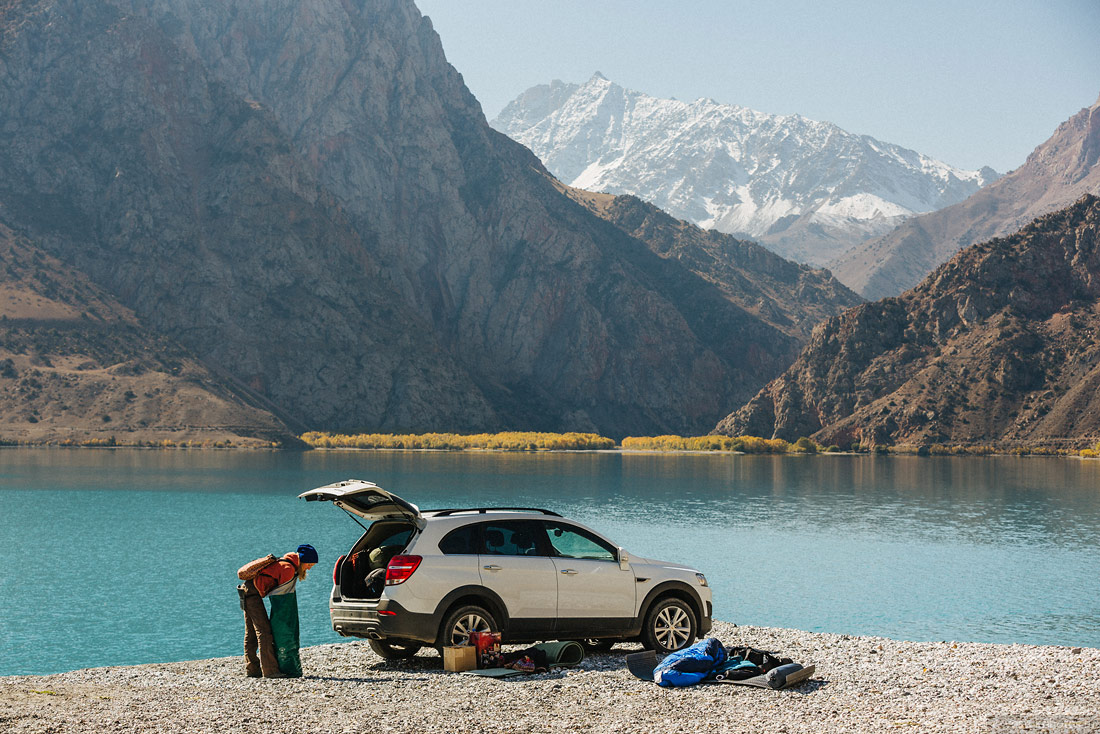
x=336 y=570
x=400 y=568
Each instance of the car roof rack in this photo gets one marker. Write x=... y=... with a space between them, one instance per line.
x=484 y=510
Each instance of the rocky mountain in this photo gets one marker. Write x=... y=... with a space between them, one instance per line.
x=309 y=200
x=996 y=346
x=807 y=190
x=75 y=366
x=1057 y=173
x=791 y=297
x=189 y=203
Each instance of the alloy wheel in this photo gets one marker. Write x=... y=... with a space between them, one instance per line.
x=672 y=627
x=467 y=623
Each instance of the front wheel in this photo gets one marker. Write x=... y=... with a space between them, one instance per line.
x=669 y=626
x=462 y=621
x=394 y=649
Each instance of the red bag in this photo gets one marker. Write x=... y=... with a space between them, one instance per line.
x=488 y=648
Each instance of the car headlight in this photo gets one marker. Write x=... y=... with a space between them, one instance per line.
x=702 y=579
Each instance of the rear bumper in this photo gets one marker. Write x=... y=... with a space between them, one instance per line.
x=380 y=620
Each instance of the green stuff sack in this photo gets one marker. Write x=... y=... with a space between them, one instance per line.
x=284 y=630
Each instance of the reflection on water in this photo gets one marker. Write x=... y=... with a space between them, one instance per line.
x=111 y=544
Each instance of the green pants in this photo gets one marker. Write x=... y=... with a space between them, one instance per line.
x=284 y=629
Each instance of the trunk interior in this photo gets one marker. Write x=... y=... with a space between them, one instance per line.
x=363 y=572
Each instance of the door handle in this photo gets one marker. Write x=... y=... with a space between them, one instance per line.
x=491 y=567
x=569 y=571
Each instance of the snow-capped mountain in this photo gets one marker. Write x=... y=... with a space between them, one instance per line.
x=808 y=190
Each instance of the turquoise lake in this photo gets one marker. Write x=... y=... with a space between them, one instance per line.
x=116 y=557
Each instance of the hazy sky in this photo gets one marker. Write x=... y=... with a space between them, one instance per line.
x=971 y=82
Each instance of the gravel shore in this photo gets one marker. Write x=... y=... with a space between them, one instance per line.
x=862 y=684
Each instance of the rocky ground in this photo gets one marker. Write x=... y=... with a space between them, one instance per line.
x=861 y=684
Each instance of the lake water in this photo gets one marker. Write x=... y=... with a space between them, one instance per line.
x=127 y=556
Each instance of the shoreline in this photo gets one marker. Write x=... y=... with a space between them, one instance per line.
x=860 y=684
x=528 y=452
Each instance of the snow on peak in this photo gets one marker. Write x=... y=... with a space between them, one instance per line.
x=807 y=189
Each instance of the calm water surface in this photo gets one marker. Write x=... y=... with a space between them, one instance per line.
x=129 y=556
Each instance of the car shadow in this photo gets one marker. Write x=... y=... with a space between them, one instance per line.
x=431 y=665
x=405 y=666
x=341 y=679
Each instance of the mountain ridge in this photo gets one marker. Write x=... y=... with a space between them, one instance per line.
x=808 y=190
x=1055 y=174
x=995 y=346
x=759 y=281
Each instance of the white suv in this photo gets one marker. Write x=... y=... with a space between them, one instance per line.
x=431 y=577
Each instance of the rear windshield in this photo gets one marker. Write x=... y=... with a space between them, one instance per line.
x=401 y=538
x=384 y=534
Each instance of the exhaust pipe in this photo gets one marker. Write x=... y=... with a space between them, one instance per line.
x=374 y=635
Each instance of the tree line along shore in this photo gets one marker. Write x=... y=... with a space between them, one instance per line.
x=531 y=441
x=520 y=441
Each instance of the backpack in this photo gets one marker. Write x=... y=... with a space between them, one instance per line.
x=252 y=569
x=762 y=658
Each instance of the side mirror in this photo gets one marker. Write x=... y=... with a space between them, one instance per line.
x=624 y=559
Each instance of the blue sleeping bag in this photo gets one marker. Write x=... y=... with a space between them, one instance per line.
x=692 y=664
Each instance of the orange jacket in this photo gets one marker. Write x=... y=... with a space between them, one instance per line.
x=277 y=573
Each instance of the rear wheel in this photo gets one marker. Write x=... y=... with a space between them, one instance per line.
x=669 y=626
x=462 y=621
x=394 y=649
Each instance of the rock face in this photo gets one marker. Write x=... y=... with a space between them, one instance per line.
x=307 y=197
x=189 y=203
x=1056 y=174
x=782 y=294
x=807 y=190
x=76 y=366
x=996 y=346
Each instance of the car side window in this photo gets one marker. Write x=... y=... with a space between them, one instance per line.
x=571 y=542
x=460 y=542
x=509 y=539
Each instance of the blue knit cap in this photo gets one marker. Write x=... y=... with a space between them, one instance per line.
x=307 y=554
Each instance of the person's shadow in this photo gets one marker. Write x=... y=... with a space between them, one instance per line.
x=810 y=686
